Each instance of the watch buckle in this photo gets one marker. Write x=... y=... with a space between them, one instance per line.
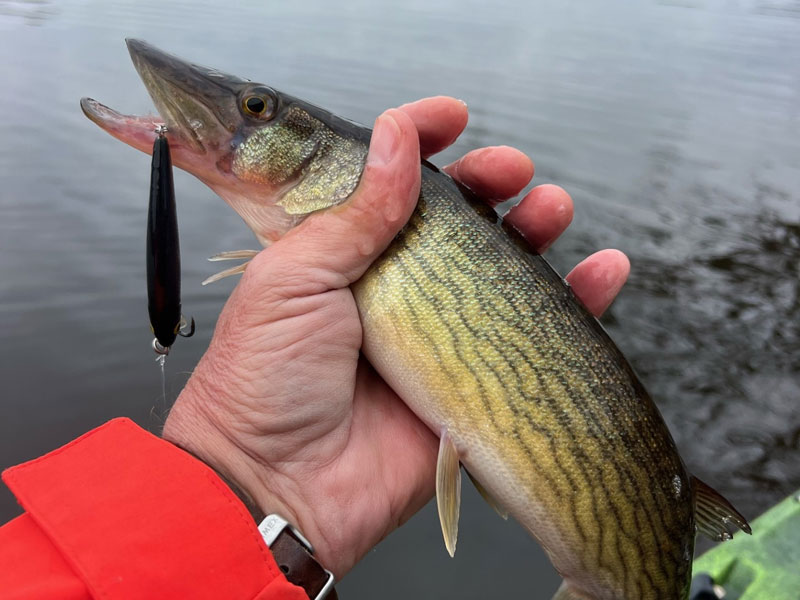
x=272 y=526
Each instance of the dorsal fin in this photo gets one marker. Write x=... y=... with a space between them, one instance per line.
x=714 y=515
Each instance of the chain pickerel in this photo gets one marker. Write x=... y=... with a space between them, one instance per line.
x=475 y=331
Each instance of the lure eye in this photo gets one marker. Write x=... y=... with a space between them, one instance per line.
x=260 y=106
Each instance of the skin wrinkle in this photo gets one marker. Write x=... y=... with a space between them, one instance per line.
x=181 y=429
x=324 y=310
x=296 y=424
x=244 y=392
x=366 y=482
x=258 y=362
x=276 y=476
x=287 y=290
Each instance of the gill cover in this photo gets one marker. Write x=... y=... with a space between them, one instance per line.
x=316 y=167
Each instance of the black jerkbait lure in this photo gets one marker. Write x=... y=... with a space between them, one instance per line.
x=163 y=253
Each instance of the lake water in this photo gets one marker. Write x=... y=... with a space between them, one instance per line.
x=675 y=126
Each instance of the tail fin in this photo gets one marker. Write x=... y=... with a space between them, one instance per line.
x=714 y=515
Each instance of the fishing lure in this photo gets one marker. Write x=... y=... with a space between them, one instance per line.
x=163 y=252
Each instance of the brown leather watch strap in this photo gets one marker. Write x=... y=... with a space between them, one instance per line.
x=299 y=565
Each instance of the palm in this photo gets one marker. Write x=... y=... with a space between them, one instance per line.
x=306 y=424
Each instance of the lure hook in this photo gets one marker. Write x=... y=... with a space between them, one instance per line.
x=182 y=329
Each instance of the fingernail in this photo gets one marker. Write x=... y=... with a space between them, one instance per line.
x=385 y=140
x=462 y=102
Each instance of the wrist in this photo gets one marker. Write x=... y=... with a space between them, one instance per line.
x=190 y=429
x=283 y=466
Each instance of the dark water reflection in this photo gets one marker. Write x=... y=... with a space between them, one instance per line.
x=674 y=125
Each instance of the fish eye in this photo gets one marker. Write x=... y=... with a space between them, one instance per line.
x=260 y=105
x=255 y=105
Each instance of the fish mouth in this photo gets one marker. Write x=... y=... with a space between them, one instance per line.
x=198 y=105
x=136 y=131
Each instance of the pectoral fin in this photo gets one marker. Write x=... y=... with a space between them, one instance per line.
x=714 y=515
x=234 y=255
x=231 y=255
x=489 y=498
x=448 y=491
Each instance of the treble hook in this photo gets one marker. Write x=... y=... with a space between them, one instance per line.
x=181 y=329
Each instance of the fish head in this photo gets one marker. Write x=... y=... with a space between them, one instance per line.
x=274 y=158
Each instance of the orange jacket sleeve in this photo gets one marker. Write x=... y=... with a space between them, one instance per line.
x=121 y=514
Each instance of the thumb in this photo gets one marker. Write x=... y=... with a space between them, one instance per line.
x=332 y=249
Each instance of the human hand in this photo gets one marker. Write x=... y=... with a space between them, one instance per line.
x=283 y=404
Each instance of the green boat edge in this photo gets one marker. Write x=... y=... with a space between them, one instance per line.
x=764 y=566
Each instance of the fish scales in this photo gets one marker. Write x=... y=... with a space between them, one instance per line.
x=474 y=331
x=493 y=346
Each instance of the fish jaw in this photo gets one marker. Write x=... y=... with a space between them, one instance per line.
x=137 y=132
x=271 y=166
x=198 y=107
x=141 y=131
